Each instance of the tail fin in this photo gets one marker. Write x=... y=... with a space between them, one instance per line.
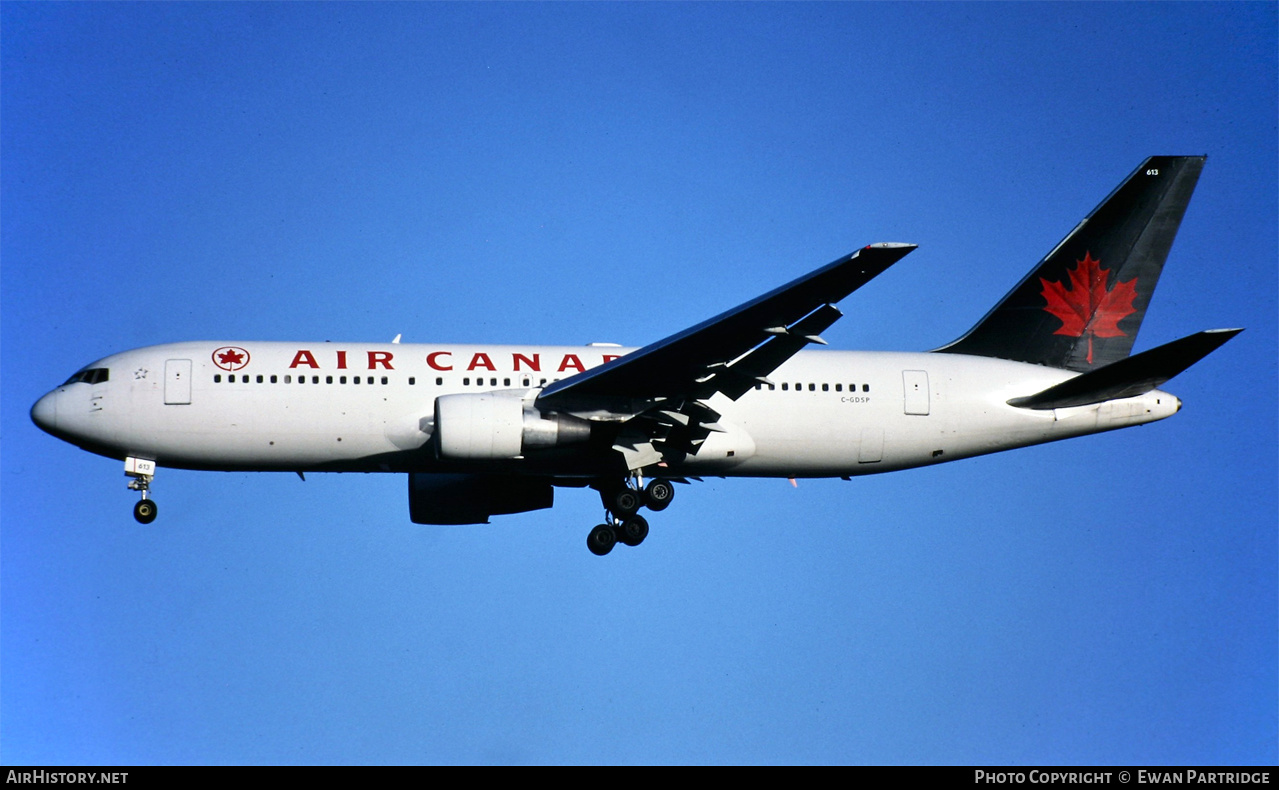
x=1081 y=307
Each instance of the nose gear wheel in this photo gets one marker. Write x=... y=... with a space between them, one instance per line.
x=145 y=511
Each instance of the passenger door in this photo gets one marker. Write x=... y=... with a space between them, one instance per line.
x=177 y=382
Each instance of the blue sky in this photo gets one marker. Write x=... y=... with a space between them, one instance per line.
x=568 y=173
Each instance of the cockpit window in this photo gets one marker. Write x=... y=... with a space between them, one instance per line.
x=89 y=376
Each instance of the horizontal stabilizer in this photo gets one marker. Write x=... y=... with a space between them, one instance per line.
x=1130 y=376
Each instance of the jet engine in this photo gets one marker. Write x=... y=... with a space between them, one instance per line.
x=493 y=425
x=471 y=499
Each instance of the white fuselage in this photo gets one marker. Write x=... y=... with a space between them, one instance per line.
x=272 y=406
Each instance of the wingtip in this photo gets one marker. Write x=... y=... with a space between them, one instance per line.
x=892 y=245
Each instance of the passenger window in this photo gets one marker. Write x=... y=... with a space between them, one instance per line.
x=812 y=387
x=825 y=388
x=217 y=378
x=466 y=382
x=839 y=387
x=439 y=381
x=770 y=387
x=412 y=380
x=244 y=379
x=865 y=388
x=315 y=379
x=785 y=387
x=384 y=379
x=273 y=380
x=288 y=379
x=506 y=382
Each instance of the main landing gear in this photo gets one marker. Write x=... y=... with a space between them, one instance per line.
x=142 y=472
x=622 y=523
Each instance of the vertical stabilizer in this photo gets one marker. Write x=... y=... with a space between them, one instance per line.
x=1081 y=307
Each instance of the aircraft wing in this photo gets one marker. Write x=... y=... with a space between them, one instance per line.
x=733 y=350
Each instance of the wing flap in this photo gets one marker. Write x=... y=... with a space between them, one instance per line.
x=740 y=377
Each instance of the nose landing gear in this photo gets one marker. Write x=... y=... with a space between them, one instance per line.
x=143 y=472
x=622 y=522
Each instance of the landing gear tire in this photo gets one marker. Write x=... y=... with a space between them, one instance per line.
x=622 y=502
x=601 y=540
x=145 y=511
x=658 y=494
x=633 y=531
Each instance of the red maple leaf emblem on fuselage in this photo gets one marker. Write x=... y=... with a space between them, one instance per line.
x=1086 y=307
x=230 y=358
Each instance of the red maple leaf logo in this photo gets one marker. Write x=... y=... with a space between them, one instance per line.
x=1086 y=307
x=230 y=358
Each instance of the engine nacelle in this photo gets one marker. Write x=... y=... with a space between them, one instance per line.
x=494 y=425
x=471 y=499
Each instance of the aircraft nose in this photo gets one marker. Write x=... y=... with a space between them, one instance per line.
x=45 y=412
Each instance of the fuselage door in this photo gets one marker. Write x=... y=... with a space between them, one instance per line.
x=177 y=381
x=916 y=385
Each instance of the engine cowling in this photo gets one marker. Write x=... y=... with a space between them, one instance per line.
x=496 y=425
x=472 y=499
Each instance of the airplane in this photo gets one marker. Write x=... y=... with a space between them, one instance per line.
x=486 y=430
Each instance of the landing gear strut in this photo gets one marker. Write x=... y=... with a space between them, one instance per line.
x=143 y=472
x=622 y=522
